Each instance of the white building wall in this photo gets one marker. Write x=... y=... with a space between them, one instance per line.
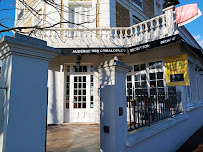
x=168 y=136
x=55 y=111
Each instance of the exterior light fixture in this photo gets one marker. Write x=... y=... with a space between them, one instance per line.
x=170 y=3
x=79 y=58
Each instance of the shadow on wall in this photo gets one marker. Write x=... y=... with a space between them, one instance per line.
x=4 y=105
x=54 y=92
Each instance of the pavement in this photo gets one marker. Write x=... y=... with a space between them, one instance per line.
x=194 y=143
x=73 y=138
x=86 y=138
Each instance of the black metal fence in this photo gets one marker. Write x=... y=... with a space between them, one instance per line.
x=146 y=107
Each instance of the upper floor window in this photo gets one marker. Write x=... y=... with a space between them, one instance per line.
x=21 y=7
x=80 y=14
x=138 y=2
x=158 y=8
x=136 y=20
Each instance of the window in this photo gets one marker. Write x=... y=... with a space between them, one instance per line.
x=80 y=93
x=80 y=69
x=138 y=2
x=91 y=91
x=79 y=14
x=136 y=20
x=67 y=91
x=148 y=79
x=21 y=9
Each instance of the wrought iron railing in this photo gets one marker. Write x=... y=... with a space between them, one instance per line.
x=145 y=108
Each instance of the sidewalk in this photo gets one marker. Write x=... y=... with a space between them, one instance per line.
x=73 y=138
x=194 y=143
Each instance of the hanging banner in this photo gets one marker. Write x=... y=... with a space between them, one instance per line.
x=187 y=13
x=177 y=70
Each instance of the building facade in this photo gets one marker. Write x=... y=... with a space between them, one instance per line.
x=139 y=32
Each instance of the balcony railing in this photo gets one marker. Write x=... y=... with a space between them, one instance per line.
x=150 y=30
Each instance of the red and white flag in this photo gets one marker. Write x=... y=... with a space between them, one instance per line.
x=187 y=13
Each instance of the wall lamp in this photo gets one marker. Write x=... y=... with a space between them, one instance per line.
x=79 y=58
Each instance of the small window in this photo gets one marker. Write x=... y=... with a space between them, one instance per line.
x=139 y=67
x=67 y=91
x=80 y=69
x=156 y=65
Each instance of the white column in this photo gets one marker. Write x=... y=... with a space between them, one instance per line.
x=113 y=117
x=170 y=20
x=23 y=105
x=107 y=13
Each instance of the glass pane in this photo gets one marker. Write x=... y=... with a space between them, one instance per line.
x=84 y=85
x=84 y=92
x=160 y=75
x=79 y=98
x=159 y=64
x=79 y=105
x=91 y=69
x=75 y=85
x=80 y=69
x=143 y=84
x=136 y=68
x=67 y=85
x=142 y=67
x=68 y=68
x=152 y=83
x=91 y=105
x=67 y=105
x=152 y=76
x=91 y=78
x=74 y=68
x=160 y=83
x=129 y=85
x=80 y=79
x=67 y=78
x=75 y=105
x=128 y=78
x=83 y=105
x=91 y=98
x=137 y=77
x=79 y=92
x=152 y=65
x=84 y=98
x=67 y=92
x=84 y=78
x=84 y=68
x=143 y=76
x=75 y=92
x=80 y=85
x=137 y=85
x=75 y=79
x=75 y=98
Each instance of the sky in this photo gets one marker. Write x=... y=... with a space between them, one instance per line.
x=195 y=27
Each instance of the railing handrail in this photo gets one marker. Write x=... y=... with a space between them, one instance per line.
x=101 y=28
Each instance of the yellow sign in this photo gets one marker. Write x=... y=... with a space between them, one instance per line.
x=177 y=70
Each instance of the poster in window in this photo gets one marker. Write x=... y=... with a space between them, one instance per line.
x=177 y=70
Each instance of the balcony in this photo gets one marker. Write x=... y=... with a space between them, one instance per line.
x=156 y=28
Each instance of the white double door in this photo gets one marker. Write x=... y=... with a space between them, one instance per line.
x=80 y=110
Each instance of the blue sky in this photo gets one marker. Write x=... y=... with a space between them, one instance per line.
x=195 y=27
